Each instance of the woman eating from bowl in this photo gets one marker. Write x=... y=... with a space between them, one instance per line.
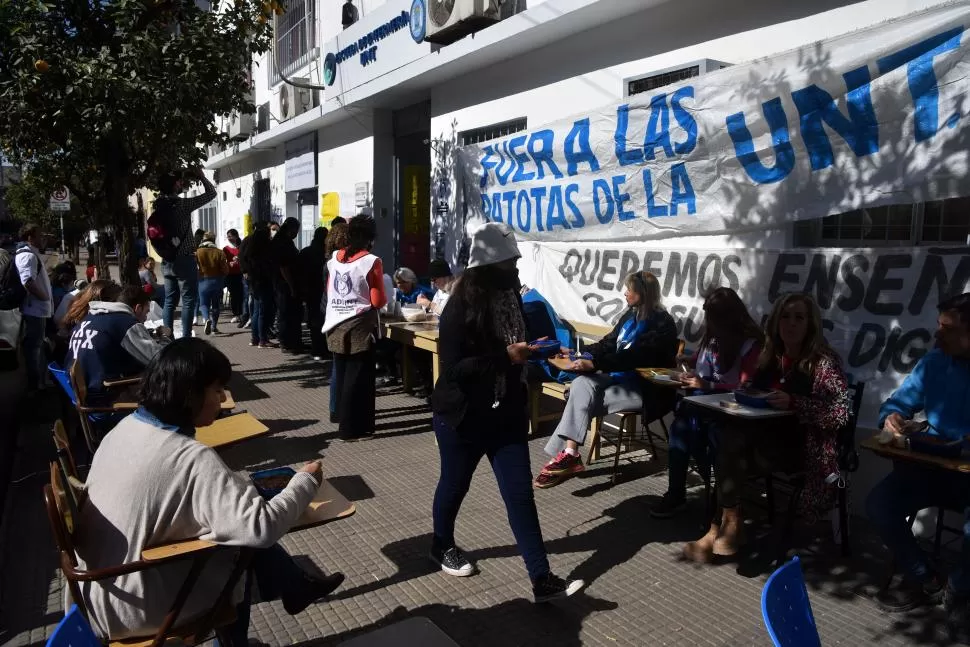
x=726 y=358
x=152 y=483
x=803 y=375
x=645 y=336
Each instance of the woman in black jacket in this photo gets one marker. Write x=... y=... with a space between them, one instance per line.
x=480 y=407
x=645 y=337
x=256 y=262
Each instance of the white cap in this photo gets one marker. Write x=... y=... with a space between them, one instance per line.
x=492 y=242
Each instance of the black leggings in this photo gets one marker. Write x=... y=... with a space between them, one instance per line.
x=357 y=395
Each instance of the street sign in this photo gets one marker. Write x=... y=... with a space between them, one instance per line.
x=60 y=199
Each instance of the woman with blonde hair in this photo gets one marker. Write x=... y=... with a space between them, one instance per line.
x=644 y=336
x=804 y=376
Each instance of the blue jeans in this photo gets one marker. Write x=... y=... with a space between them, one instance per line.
x=264 y=311
x=906 y=490
x=181 y=280
x=508 y=452
x=210 y=298
x=690 y=437
x=34 y=329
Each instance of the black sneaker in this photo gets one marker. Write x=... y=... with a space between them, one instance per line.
x=310 y=590
x=909 y=594
x=452 y=561
x=549 y=587
x=957 y=607
x=668 y=506
x=208 y=328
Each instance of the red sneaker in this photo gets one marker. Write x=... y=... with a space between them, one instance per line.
x=564 y=463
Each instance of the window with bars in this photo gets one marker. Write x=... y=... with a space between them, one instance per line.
x=207 y=218
x=930 y=223
x=648 y=83
x=487 y=133
x=295 y=34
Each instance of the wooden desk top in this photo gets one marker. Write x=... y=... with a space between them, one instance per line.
x=900 y=454
x=231 y=430
x=659 y=376
x=328 y=505
x=713 y=401
x=228 y=405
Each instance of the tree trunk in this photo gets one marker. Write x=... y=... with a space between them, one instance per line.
x=101 y=259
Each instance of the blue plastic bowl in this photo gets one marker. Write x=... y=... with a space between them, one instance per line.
x=268 y=492
x=753 y=400
x=545 y=348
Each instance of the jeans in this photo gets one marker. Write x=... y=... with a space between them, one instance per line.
x=690 y=437
x=264 y=310
x=234 y=283
x=277 y=576
x=34 y=328
x=246 y=311
x=181 y=280
x=508 y=452
x=210 y=298
x=290 y=310
x=905 y=491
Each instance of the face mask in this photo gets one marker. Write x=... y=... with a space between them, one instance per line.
x=505 y=279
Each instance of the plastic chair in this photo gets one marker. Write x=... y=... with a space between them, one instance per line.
x=786 y=609
x=73 y=631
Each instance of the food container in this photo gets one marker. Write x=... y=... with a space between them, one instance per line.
x=269 y=483
x=753 y=398
x=414 y=314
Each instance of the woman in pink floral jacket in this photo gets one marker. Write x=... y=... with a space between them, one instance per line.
x=806 y=377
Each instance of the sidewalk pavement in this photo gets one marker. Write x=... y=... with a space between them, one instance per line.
x=639 y=593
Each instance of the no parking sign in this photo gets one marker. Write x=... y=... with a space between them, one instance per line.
x=60 y=199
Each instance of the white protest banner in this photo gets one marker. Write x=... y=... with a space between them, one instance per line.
x=878 y=305
x=875 y=117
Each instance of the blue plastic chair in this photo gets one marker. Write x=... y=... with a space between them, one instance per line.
x=73 y=631
x=787 y=610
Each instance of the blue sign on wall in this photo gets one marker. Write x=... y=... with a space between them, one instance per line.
x=419 y=14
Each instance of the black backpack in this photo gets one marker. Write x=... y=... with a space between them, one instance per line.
x=12 y=291
x=162 y=229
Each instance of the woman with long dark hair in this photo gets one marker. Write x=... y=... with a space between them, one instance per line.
x=313 y=272
x=355 y=294
x=480 y=407
x=805 y=376
x=256 y=261
x=726 y=358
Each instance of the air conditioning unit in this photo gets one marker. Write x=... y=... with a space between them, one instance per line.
x=241 y=126
x=294 y=100
x=449 y=20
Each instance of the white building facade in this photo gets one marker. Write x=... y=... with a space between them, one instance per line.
x=379 y=134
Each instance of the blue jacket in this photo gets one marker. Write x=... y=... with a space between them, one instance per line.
x=940 y=386
x=109 y=343
x=412 y=297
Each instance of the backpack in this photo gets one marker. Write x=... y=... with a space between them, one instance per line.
x=162 y=229
x=12 y=291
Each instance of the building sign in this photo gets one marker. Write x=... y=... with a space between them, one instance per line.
x=878 y=305
x=362 y=194
x=380 y=42
x=875 y=117
x=301 y=163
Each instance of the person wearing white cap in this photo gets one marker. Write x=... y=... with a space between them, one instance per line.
x=480 y=407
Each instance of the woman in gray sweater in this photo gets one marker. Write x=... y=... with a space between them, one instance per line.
x=152 y=483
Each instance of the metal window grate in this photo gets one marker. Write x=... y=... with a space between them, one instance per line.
x=487 y=133
x=946 y=221
x=649 y=83
x=939 y=222
x=295 y=34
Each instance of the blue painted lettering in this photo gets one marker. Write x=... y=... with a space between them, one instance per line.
x=584 y=154
x=521 y=159
x=578 y=220
x=621 y=199
x=488 y=162
x=523 y=199
x=603 y=215
x=509 y=197
x=623 y=154
x=555 y=215
x=682 y=191
x=538 y=193
x=544 y=154
x=684 y=119
x=653 y=210
x=744 y=146
x=507 y=163
x=658 y=128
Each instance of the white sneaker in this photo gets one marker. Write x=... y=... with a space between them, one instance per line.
x=198 y=321
x=248 y=322
x=234 y=320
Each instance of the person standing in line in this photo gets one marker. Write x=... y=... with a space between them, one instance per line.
x=336 y=240
x=234 y=280
x=312 y=264
x=480 y=407
x=285 y=257
x=37 y=306
x=198 y=306
x=181 y=275
x=355 y=294
x=255 y=256
x=213 y=268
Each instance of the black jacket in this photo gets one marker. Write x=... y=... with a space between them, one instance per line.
x=656 y=348
x=470 y=365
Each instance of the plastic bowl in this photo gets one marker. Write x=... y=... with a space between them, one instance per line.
x=753 y=399
x=414 y=315
x=260 y=478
